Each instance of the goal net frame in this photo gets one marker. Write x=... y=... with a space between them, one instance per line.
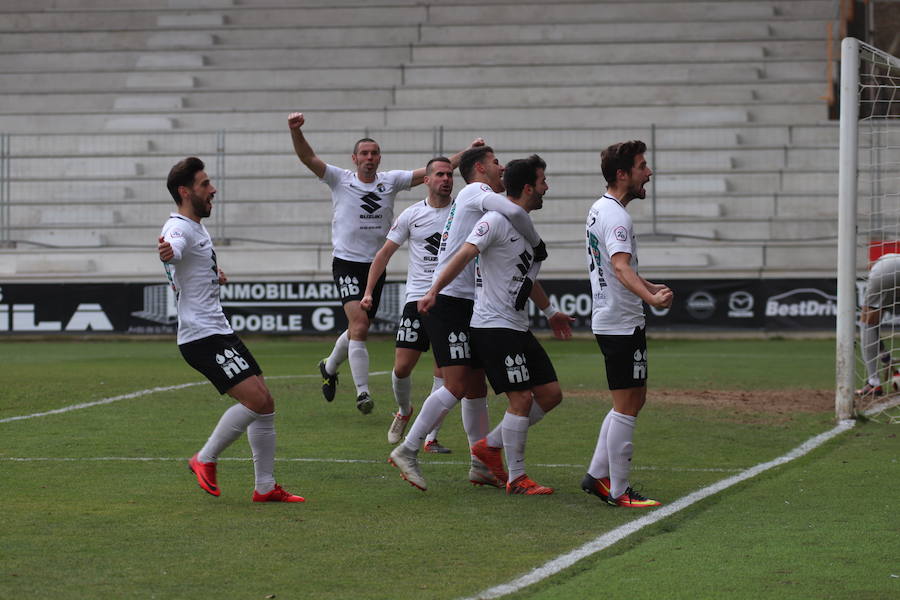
x=868 y=212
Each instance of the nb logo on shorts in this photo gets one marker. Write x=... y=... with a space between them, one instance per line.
x=232 y=363
x=348 y=286
x=408 y=330
x=640 y=365
x=516 y=371
x=459 y=346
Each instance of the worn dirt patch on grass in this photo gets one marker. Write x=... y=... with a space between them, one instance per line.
x=744 y=401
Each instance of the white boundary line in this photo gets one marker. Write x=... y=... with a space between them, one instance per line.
x=140 y=393
x=611 y=537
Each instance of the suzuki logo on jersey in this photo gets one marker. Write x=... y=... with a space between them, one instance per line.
x=348 y=285
x=432 y=243
x=639 y=372
x=408 y=330
x=526 y=259
x=232 y=363
x=371 y=202
x=459 y=346
x=516 y=371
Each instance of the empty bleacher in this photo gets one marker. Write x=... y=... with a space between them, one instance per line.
x=99 y=98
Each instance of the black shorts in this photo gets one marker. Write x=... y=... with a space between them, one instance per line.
x=411 y=332
x=351 y=277
x=512 y=360
x=626 y=359
x=223 y=359
x=447 y=324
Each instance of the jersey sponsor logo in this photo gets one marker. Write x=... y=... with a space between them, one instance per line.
x=525 y=262
x=482 y=228
x=348 y=285
x=621 y=233
x=232 y=363
x=371 y=202
x=418 y=224
x=459 y=345
x=176 y=233
x=432 y=242
x=594 y=263
x=408 y=331
x=639 y=366
x=516 y=369
x=486 y=188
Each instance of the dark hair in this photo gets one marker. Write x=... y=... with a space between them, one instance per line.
x=360 y=141
x=521 y=172
x=434 y=160
x=620 y=156
x=182 y=174
x=469 y=158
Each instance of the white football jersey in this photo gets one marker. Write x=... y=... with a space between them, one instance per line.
x=470 y=205
x=362 y=212
x=504 y=258
x=422 y=225
x=616 y=310
x=194 y=276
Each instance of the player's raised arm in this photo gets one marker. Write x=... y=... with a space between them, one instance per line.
x=378 y=266
x=304 y=151
x=419 y=174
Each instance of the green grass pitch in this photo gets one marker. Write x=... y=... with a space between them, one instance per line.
x=82 y=517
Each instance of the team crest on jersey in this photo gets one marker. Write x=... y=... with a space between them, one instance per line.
x=621 y=234
x=380 y=187
x=482 y=228
x=459 y=345
x=348 y=285
x=516 y=369
x=408 y=331
x=232 y=363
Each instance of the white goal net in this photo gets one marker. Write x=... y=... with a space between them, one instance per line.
x=868 y=372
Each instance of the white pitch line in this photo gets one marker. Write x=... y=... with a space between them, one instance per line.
x=619 y=533
x=140 y=393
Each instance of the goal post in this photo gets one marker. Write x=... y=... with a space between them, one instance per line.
x=868 y=219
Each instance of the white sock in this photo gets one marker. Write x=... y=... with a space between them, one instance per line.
x=515 y=433
x=261 y=435
x=338 y=353
x=868 y=347
x=475 y=419
x=618 y=444
x=402 y=389
x=432 y=435
x=359 y=365
x=600 y=461
x=495 y=436
x=438 y=382
x=536 y=414
x=434 y=408
x=231 y=425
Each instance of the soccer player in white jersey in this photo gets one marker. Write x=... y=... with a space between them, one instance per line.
x=881 y=294
x=448 y=314
x=618 y=320
x=363 y=204
x=421 y=225
x=501 y=342
x=208 y=343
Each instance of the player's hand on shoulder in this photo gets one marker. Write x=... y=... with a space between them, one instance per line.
x=561 y=324
x=165 y=249
x=296 y=120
